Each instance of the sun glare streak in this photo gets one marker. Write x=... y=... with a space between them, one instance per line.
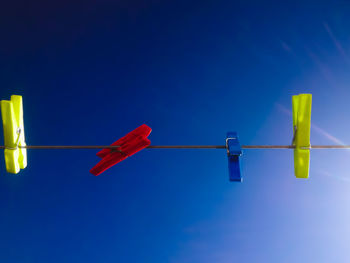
x=327 y=174
x=326 y=134
x=335 y=41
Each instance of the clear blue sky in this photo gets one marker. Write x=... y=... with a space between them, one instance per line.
x=91 y=71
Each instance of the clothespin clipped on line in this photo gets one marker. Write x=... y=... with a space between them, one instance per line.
x=12 y=119
x=130 y=144
x=301 y=134
x=234 y=151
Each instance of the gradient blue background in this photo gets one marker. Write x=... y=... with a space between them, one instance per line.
x=91 y=71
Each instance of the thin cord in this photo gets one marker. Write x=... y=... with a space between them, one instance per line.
x=115 y=147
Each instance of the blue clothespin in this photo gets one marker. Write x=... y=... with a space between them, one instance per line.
x=233 y=152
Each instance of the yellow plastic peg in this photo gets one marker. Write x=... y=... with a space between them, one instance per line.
x=301 y=138
x=12 y=119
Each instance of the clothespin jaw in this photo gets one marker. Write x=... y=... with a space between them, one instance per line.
x=12 y=119
x=130 y=144
x=301 y=134
x=233 y=152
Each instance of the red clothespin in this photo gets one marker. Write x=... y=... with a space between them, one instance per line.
x=130 y=144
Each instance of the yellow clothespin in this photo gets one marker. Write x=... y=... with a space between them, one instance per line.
x=12 y=119
x=301 y=135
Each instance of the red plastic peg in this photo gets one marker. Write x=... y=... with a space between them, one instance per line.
x=130 y=144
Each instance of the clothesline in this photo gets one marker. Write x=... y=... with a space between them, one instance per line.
x=16 y=149
x=74 y=147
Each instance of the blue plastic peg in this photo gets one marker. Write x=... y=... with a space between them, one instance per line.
x=234 y=151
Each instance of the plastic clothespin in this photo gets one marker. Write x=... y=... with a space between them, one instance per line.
x=233 y=152
x=12 y=119
x=130 y=144
x=301 y=134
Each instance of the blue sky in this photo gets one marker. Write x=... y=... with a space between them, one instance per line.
x=89 y=72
